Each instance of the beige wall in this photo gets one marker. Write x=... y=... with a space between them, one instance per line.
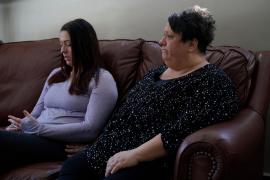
x=1 y=22
x=239 y=22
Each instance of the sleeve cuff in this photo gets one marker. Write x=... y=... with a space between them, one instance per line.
x=29 y=126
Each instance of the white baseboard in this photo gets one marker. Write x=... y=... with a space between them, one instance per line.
x=267 y=174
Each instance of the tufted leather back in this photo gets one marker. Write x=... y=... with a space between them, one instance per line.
x=129 y=60
x=238 y=63
x=24 y=67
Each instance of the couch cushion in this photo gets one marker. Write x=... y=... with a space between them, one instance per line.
x=238 y=63
x=46 y=170
x=24 y=67
x=151 y=58
x=129 y=60
x=121 y=58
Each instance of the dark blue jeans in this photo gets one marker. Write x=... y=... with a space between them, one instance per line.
x=19 y=149
x=76 y=168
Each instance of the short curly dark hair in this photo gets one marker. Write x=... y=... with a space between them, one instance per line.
x=194 y=23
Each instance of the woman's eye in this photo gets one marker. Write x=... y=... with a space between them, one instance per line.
x=66 y=44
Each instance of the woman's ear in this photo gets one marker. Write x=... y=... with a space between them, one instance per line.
x=193 y=45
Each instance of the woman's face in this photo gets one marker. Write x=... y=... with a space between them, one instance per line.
x=174 y=51
x=66 y=49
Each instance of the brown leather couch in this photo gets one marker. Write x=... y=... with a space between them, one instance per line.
x=232 y=150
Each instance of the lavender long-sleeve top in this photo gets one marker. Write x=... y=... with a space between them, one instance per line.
x=73 y=118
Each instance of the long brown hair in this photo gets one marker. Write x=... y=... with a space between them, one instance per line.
x=85 y=57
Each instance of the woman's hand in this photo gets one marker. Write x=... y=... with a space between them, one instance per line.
x=148 y=151
x=72 y=149
x=28 y=115
x=121 y=160
x=15 y=123
x=12 y=128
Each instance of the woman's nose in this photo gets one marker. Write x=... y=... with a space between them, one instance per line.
x=162 y=41
x=63 y=49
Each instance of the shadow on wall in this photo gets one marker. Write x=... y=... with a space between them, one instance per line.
x=8 y=1
x=8 y=26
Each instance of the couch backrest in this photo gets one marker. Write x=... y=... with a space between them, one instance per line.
x=129 y=60
x=24 y=67
x=238 y=63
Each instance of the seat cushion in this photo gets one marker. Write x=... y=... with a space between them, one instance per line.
x=46 y=170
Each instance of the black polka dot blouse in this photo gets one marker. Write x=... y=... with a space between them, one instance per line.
x=173 y=108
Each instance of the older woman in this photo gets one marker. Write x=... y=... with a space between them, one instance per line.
x=171 y=102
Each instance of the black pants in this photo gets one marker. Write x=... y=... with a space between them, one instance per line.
x=76 y=168
x=19 y=149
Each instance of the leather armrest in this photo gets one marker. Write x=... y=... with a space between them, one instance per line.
x=215 y=151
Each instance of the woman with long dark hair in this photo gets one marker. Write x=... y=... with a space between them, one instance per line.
x=74 y=105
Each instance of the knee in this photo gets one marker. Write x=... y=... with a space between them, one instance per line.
x=70 y=166
x=74 y=167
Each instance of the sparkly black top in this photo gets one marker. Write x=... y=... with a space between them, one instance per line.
x=175 y=108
